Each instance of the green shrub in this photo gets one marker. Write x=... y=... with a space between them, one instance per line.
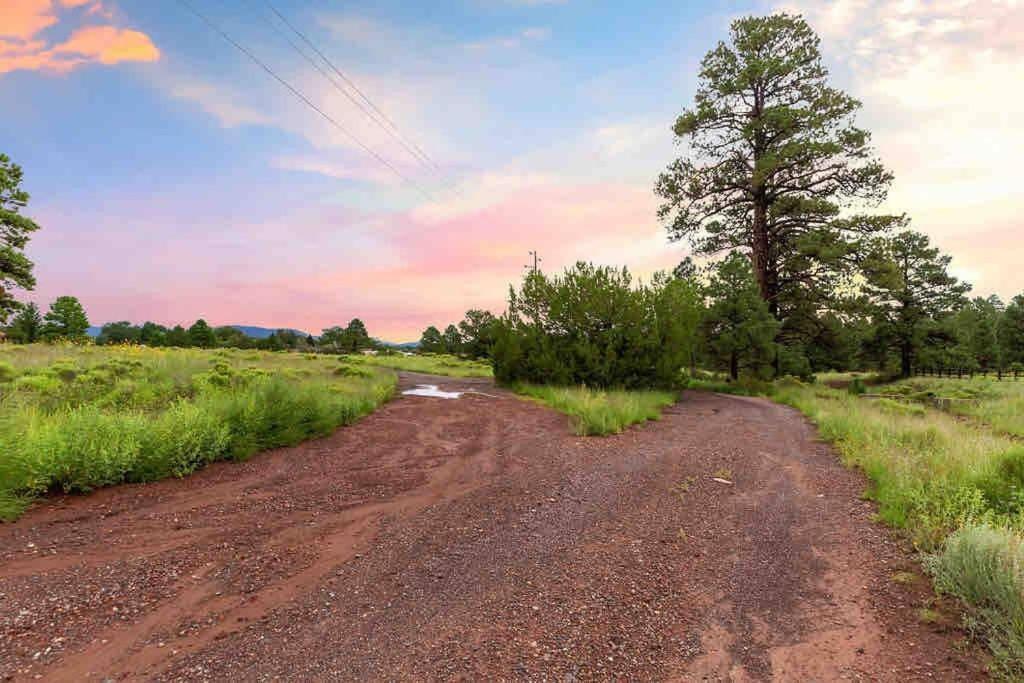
x=7 y=372
x=984 y=566
x=80 y=449
x=1002 y=483
x=592 y=326
x=351 y=371
x=41 y=384
x=183 y=439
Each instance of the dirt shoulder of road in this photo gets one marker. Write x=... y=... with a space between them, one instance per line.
x=477 y=538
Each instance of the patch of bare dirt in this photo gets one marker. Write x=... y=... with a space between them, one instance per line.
x=476 y=539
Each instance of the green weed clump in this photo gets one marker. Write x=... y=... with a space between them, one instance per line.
x=78 y=423
x=984 y=566
x=595 y=412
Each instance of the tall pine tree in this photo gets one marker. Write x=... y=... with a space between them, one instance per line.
x=773 y=158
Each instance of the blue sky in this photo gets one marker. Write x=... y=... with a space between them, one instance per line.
x=174 y=179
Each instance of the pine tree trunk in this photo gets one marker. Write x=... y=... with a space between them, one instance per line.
x=734 y=366
x=759 y=249
x=905 y=359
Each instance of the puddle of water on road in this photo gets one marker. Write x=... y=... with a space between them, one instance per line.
x=432 y=391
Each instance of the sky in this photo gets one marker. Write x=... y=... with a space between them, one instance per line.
x=175 y=179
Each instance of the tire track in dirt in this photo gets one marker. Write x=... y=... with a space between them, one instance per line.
x=477 y=538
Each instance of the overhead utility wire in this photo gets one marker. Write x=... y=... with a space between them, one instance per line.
x=415 y=150
x=362 y=107
x=302 y=97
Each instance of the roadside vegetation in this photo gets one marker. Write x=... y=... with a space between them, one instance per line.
x=596 y=412
x=955 y=487
x=76 y=418
x=593 y=344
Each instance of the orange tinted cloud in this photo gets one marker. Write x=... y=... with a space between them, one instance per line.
x=108 y=45
x=22 y=19
x=21 y=47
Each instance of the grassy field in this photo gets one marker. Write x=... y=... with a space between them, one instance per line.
x=451 y=366
x=998 y=404
x=78 y=418
x=956 y=487
x=596 y=412
x=429 y=364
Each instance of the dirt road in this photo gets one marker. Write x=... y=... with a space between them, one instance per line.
x=478 y=539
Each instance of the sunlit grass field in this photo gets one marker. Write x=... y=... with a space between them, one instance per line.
x=75 y=418
x=594 y=412
x=431 y=364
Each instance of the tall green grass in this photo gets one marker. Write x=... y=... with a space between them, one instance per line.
x=599 y=412
x=86 y=420
x=431 y=364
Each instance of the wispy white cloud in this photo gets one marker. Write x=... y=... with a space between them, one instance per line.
x=226 y=107
x=527 y=35
x=352 y=169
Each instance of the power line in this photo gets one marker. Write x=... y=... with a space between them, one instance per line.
x=409 y=145
x=302 y=97
x=362 y=107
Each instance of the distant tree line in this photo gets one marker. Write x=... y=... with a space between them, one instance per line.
x=473 y=337
x=66 y=320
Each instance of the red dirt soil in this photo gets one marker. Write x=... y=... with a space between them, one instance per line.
x=476 y=539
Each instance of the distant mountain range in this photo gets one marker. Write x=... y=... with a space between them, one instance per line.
x=403 y=345
x=264 y=332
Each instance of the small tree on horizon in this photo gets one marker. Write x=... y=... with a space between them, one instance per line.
x=27 y=326
x=66 y=320
x=201 y=335
x=477 y=330
x=432 y=341
x=356 y=337
x=452 y=340
x=122 y=332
